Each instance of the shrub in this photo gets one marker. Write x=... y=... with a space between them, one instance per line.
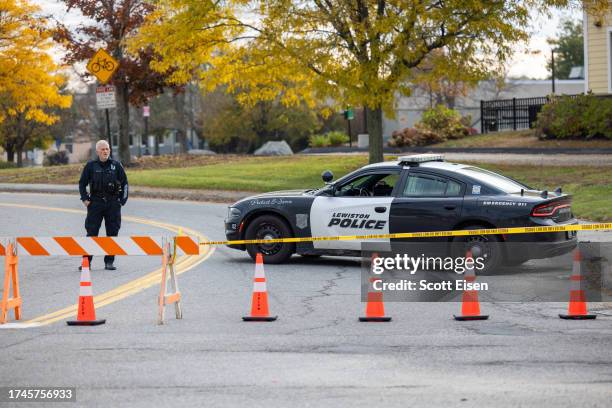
x=437 y=125
x=337 y=138
x=579 y=117
x=446 y=123
x=56 y=158
x=410 y=137
x=318 y=141
x=7 y=165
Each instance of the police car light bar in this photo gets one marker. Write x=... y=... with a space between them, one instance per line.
x=421 y=158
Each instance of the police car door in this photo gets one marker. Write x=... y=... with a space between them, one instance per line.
x=360 y=206
x=427 y=202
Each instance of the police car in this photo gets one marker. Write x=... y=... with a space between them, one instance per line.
x=413 y=194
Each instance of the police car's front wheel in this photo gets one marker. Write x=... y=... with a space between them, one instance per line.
x=269 y=227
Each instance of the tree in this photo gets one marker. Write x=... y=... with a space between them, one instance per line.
x=230 y=127
x=19 y=32
x=569 y=49
x=443 y=87
x=109 y=24
x=351 y=52
x=30 y=86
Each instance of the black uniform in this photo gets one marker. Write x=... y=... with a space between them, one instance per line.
x=108 y=191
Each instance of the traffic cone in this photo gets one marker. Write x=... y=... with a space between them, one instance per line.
x=375 y=308
x=577 y=308
x=86 y=313
x=470 y=306
x=259 y=302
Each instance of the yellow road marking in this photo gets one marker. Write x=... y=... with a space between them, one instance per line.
x=182 y=265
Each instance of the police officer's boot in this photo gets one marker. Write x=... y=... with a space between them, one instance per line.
x=109 y=266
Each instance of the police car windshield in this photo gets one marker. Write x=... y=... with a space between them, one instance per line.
x=505 y=184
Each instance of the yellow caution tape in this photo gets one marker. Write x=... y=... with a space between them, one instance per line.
x=425 y=234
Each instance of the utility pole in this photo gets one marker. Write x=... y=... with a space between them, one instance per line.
x=552 y=53
x=146 y=111
x=349 y=115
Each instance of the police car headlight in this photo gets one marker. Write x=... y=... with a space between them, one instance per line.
x=233 y=213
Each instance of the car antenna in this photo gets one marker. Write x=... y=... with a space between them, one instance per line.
x=522 y=192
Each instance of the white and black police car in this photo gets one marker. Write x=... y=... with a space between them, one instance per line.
x=413 y=194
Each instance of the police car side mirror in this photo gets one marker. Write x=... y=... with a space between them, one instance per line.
x=327 y=176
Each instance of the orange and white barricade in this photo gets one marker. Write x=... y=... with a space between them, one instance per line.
x=81 y=246
x=11 y=276
x=94 y=246
x=165 y=298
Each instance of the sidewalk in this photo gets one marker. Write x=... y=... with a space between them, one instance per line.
x=216 y=196
x=548 y=159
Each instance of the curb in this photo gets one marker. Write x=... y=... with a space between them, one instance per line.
x=215 y=196
x=425 y=149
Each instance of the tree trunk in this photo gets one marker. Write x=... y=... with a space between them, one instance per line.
x=375 y=121
x=19 y=157
x=123 y=113
x=179 y=107
x=10 y=153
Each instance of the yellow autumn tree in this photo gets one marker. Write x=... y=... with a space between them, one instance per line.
x=30 y=83
x=347 y=52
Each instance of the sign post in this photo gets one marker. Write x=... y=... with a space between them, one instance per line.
x=106 y=99
x=146 y=112
x=102 y=65
x=349 y=115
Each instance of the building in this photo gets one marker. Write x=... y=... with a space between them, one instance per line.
x=409 y=109
x=598 y=52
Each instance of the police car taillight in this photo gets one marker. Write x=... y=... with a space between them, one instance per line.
x=549 y=209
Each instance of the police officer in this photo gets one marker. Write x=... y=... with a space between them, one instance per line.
x=108 y=191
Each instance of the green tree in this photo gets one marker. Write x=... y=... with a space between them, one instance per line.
x=231 y=127
x=348 y=52
x=569 y=49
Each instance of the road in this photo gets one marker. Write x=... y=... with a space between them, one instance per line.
x=316 y=354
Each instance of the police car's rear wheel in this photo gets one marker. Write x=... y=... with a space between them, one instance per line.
x=485 y=246
x=270 y=227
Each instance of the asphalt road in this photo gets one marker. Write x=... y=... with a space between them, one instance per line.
x=316 y=354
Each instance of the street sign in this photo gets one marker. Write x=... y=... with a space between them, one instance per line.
x=105 y=97
x=102 y=65
x=146 y=111
x=348 y=114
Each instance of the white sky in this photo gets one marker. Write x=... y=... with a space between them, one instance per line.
x=529 y=59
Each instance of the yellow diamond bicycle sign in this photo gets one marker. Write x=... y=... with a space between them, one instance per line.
x=102 y=65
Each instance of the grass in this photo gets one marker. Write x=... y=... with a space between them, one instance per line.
x=522 y=139
x=590 y=186
x=252 y=174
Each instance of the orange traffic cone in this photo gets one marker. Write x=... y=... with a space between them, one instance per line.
x=86 y=313
x=577 y=308
x=259 y=302
x=470 y=306
x=375 y=308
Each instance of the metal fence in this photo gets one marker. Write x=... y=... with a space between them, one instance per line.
x=510 y=114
